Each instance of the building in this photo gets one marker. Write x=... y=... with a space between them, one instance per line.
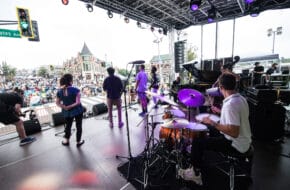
x=166 y=63
x=85 y=66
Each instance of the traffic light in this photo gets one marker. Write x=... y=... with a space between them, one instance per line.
x=35 y=32
x=24 y=22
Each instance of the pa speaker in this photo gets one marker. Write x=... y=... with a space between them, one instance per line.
x=31 y=126
x=58 y=119
x=99 y=109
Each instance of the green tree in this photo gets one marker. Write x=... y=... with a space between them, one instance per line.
x=42 y=72
x=123 y=72
x=191 y=55
x=8 y=71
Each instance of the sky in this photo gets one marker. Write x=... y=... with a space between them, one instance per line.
x=64 y=29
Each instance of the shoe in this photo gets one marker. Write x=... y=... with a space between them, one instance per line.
x=27 y=140
x=142 y=114
x=65 y=143
x=121 y=124
x=189 y=175
x=80 y=143
x=111 y=125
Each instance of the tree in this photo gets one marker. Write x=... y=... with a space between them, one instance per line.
x=191 y=55
x=42 y=72
x=123 y=72
x=8 y=71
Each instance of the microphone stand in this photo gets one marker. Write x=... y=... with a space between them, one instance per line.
x=129 y=157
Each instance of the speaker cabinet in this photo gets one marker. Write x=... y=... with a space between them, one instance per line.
x=100 y=108
x=58 y=119
x=31 y=126
x=267 y=121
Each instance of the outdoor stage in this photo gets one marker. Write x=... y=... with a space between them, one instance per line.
x=95 y=165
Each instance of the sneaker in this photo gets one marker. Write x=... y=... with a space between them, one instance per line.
x=27 y=140
x=189 y=175
x=121 y=124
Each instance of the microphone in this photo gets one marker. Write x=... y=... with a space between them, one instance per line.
x=138 y=62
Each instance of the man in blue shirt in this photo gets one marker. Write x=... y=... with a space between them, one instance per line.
x=113 y=86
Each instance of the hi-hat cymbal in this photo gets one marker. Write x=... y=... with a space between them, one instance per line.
x=190 y=97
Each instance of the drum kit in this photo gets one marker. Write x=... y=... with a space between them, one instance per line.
x=177 y=131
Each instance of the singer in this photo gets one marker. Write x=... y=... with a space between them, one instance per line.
x=141 y=87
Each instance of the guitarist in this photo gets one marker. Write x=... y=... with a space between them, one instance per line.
x=10 y=111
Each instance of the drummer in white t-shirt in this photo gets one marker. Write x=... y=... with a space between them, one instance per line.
x=234 y=134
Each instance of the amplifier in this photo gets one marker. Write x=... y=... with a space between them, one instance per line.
x=262 y=95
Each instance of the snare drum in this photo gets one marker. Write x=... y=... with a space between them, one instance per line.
x=194 y=130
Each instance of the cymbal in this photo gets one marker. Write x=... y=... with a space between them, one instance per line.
x=213 y=117
x=176 y=113
x=190 y=97
x=176 y=124
x=161 y=98
x=194 y=126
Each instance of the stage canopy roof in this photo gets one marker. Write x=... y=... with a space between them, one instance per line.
x=177 y=13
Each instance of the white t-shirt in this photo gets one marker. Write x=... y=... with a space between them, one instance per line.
x=235 y=111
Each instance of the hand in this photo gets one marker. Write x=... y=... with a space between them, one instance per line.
x=207 y=121
x=215 y=109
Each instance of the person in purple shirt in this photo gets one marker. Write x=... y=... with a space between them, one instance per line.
x=113 y=86
x=141 y=87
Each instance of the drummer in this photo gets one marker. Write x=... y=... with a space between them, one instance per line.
x=234 y=129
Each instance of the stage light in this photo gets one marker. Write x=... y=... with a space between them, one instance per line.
x=152 y=29
x=126 y=19
x=194 y=4
x=90 y=7
x=249 y=1
x=160 y=31
x=139 y=24
x=211 y=14
x=65 y=2
x=254 y=11
x=110 y=14
x=165 y=31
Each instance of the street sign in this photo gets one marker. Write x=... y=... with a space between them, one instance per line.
x=9 y=33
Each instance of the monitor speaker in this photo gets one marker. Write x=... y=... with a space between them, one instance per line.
x=31 y=126
x=58 y=119
x=100 y=108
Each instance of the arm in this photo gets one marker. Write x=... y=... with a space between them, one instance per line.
x=231 y=130
x=59 y=104
x=77 y=102
x=17 y=108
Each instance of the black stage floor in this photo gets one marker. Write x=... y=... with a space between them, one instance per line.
x=94 y=165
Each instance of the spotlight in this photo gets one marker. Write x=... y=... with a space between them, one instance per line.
x=152 y=29
x=249 y=1
x=211 y=14
x=65 y=2
x=126 y=19
x=110 y=14
x=90 y=7
x=165 y=31
x=254 y=11
x=194 y=4
x=160 y=31
x=138 y=24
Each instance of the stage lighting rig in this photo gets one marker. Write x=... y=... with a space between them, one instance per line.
x=90 y=7
x=195 y=4
x=110 y=14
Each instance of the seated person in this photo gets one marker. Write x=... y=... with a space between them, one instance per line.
x=257 y=74
x=231 y=135
x=270 y=71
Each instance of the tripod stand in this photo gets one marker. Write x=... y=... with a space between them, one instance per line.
x=129 y=157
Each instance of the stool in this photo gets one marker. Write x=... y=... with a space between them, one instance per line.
x=236 y=159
